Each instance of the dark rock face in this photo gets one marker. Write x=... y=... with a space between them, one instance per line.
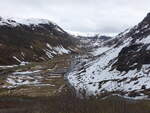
x=133 y=57
x=29 y=42
x=136 y=54
x=146 y=19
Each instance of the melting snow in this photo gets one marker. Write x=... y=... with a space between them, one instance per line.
x=21 y=80
x=25 y=72
x=16 y=59
x=49 y=46
x=8 y=66
x=61 y=50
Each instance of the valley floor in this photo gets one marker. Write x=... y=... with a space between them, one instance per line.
x=35 y=79
x=49 y=91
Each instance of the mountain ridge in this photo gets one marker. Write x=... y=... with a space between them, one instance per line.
x=121 y=67
x=33 y=41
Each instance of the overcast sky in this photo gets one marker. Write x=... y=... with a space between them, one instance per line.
x=103 y=16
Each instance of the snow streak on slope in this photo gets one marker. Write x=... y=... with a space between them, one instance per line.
x=58 y=50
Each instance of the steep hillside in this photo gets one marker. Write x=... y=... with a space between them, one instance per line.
x=121 y=65
x=32 y=40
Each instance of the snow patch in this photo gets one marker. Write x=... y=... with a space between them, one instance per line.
x=17 y=59
x=61 y=50
x=100 y=51
x=26 y=72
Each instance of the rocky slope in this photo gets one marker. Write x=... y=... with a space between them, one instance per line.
x=119 y=66
x=32 y=40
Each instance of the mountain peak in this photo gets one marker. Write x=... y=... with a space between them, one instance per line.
x=34 y=21
x=146 y=19
x=28 y=21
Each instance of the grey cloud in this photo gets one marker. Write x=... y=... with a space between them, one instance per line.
x=104 y=16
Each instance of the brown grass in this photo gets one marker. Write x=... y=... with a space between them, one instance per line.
x=66 y=102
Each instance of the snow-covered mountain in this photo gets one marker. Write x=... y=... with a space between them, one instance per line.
x=32 y=40
x=119 y=66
